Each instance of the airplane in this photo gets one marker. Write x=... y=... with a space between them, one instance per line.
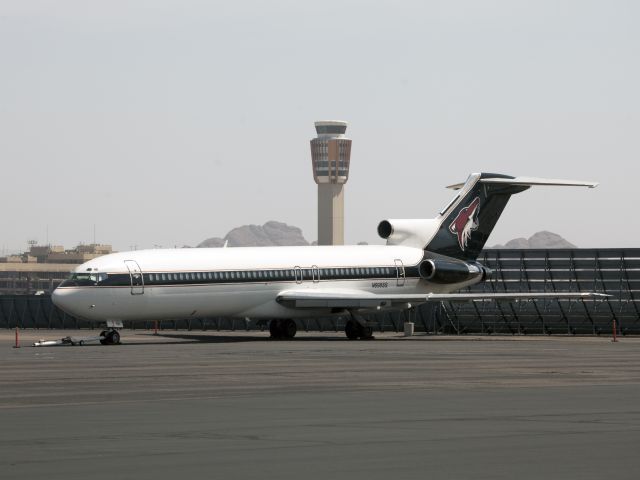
x=424 y=260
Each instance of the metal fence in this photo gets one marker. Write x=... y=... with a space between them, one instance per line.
x=612 y=271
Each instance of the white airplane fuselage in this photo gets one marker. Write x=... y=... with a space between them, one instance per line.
x=235 y=282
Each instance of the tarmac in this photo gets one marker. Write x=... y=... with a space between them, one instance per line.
x=238 y=405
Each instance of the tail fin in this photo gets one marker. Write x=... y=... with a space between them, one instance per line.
x=466 y=223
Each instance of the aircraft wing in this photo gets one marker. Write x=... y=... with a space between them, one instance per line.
x=362 y=299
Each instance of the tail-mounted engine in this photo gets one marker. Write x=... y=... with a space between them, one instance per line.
x=407 y=232
x=450 y=271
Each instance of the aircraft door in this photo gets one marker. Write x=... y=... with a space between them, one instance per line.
x=315 y=274
x=135 y=273
x=298 y=274
x=400 y=275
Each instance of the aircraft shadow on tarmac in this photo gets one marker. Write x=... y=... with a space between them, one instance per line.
x=166 y=338
x=178 y=338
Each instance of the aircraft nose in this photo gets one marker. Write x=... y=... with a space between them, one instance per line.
x=75 y=302
x=61 y=298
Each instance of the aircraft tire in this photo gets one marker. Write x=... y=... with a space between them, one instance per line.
x=111 y=337
x=288 y=328
x=104 y=340
x=366 y=333
x=275 y=329
x=352 y=330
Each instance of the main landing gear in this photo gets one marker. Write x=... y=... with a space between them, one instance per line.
x=357 y=328
x=355 y=331
x=283 y=329
x=110 y=337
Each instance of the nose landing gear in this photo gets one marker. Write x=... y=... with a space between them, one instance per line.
x=354 y=331
x=110 y=337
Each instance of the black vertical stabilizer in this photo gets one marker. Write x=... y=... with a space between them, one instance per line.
x=469 y=220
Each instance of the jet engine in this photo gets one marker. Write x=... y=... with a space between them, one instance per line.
x=450 y=271
x=408 y=232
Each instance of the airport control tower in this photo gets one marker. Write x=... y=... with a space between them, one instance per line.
x=330 y=155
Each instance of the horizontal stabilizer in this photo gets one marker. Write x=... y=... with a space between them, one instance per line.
x=356 y=299
x=530 y=182
x=467 y=221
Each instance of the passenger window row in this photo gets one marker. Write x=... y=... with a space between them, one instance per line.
x=296 y=274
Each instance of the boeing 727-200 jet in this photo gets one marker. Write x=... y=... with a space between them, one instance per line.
x=423 y=260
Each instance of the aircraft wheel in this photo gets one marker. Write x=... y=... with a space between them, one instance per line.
x=355 y=331
x=104 y=341
x=275 y=329
x=352 y=330
x=111 y=338
x=289 y=328
x=366 y=333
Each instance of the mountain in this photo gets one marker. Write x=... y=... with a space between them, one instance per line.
x=542 y=239
x=273 y=234
x=270 y=234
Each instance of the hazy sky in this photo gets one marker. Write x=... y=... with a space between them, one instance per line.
x=168 y=122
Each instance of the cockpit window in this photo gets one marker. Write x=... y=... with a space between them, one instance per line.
x=84 y=280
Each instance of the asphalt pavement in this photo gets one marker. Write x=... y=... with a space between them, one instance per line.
x=239 y=405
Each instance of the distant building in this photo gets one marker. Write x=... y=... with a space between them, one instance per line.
x=330 y=157
x=43 y=267
x=29 y=278
x=41 y=252
x=57 y=254
x=80 y=254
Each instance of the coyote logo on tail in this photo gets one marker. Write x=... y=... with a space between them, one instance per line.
x=466 y=222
